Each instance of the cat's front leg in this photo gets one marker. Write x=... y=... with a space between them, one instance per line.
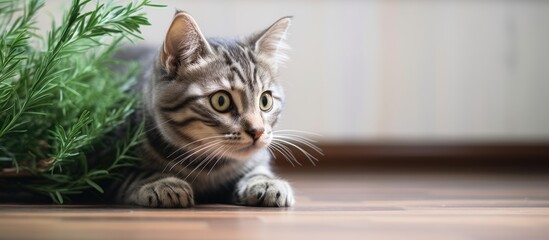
x=160 y=191
x=261 y=188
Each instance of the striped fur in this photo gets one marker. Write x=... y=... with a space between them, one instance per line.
x=193 y=152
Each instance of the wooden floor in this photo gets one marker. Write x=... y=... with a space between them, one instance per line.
x=329 y=206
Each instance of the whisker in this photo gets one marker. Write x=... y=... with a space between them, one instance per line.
x=305 y=142
x=180 y=148
x=270 y=151
x=219 y=158
x=288 y=151
x=199 y=148
x=307 y=154
x=202 y=139
x=193 y=152
x=297 y=131
x=285 y=151
x=295 y=135
x=205 y=161
x=276 y=149
x=190 y=151
x=197 y=157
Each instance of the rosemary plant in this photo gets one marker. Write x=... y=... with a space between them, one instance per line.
x=61 y=97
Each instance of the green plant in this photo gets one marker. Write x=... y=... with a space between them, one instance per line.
x=61 y=96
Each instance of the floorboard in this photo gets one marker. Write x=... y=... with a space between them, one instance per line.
x=360 y=205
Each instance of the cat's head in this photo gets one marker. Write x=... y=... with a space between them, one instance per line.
x=218 y=96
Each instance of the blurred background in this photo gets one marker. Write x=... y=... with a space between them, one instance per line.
x=365 y=73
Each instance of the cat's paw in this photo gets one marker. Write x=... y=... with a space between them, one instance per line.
x=168 y=192
x=267 y=192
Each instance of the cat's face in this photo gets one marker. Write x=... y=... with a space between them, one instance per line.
x=218 y=97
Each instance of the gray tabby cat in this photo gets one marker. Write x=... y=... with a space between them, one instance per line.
x=210 y=106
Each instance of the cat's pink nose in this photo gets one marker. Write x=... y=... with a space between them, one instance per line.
x=255 y=133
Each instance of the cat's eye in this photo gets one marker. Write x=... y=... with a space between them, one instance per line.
x=266 y=101
x=221 y=101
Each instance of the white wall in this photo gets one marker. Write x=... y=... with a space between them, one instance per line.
x=398 y=70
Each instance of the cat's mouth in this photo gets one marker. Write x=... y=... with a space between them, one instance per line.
x=246 y=149
x=250 y=147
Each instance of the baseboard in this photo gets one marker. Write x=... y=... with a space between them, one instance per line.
x=488 y=156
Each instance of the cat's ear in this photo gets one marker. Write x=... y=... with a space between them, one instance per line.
x=270 y=43
x=184 y=44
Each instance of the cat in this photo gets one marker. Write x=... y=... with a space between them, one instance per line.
x=210 y=105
